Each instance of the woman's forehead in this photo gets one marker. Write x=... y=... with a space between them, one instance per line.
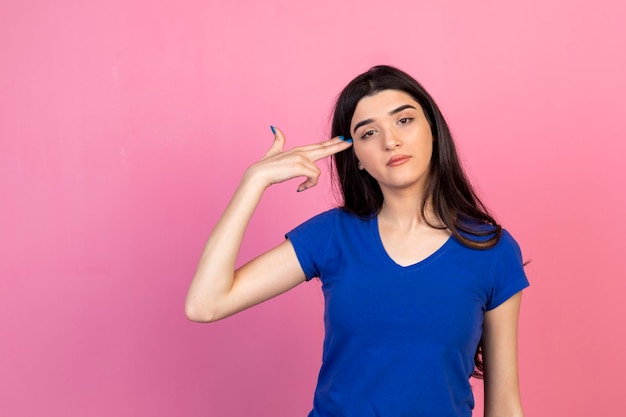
x=382 y=103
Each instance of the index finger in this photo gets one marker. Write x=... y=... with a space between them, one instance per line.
x=327 y=148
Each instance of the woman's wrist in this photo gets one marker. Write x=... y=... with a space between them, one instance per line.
x=251 y=179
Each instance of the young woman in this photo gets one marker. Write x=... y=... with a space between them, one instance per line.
x=422 y=286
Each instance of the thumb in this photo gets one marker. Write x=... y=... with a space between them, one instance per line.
x=279 y=142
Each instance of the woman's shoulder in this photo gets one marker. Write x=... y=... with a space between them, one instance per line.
x=328 y=222
x=481 y=232
x=324 y=217
x=335 y=214
x=320 y=221
x=508 y=243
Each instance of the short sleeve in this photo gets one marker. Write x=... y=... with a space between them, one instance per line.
x=509 y=276
x=310 y=240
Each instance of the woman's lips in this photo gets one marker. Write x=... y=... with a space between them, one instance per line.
x=397 y=160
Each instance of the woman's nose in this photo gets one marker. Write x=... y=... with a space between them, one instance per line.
x=391 y=140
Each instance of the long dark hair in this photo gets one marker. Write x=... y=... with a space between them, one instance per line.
x=447 y=191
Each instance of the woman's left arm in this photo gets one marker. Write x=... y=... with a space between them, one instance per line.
x=502 y=394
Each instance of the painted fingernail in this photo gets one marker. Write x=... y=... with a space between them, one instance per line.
x=349 y=140
x=273 y=129
x=299 y=190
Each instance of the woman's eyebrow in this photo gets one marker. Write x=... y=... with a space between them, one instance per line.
x=362 y=123
x=399 y=109
x=390 y=113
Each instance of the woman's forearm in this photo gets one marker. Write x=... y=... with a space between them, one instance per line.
x=215 y=273
x=208 y=297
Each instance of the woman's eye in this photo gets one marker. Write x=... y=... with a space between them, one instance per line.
x=405 y=120
x=367 y=134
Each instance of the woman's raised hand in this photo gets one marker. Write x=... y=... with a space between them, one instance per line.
x=219 y=289
x=278 y=165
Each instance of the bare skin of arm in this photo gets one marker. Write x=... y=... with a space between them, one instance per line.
x=502 y=393
x=218 y=290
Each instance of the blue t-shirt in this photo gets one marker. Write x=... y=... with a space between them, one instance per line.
x=400 y=340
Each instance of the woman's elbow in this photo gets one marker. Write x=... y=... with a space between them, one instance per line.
x=198 y=314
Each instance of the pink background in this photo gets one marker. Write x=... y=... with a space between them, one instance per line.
x=125 y=125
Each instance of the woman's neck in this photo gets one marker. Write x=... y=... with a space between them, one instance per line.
x=405 y=211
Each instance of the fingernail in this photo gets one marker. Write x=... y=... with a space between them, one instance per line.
x=341 y=138
x=299 y=190
x=349 y=140
x=273 y=129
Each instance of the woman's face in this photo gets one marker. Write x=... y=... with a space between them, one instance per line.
x=392 y=140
